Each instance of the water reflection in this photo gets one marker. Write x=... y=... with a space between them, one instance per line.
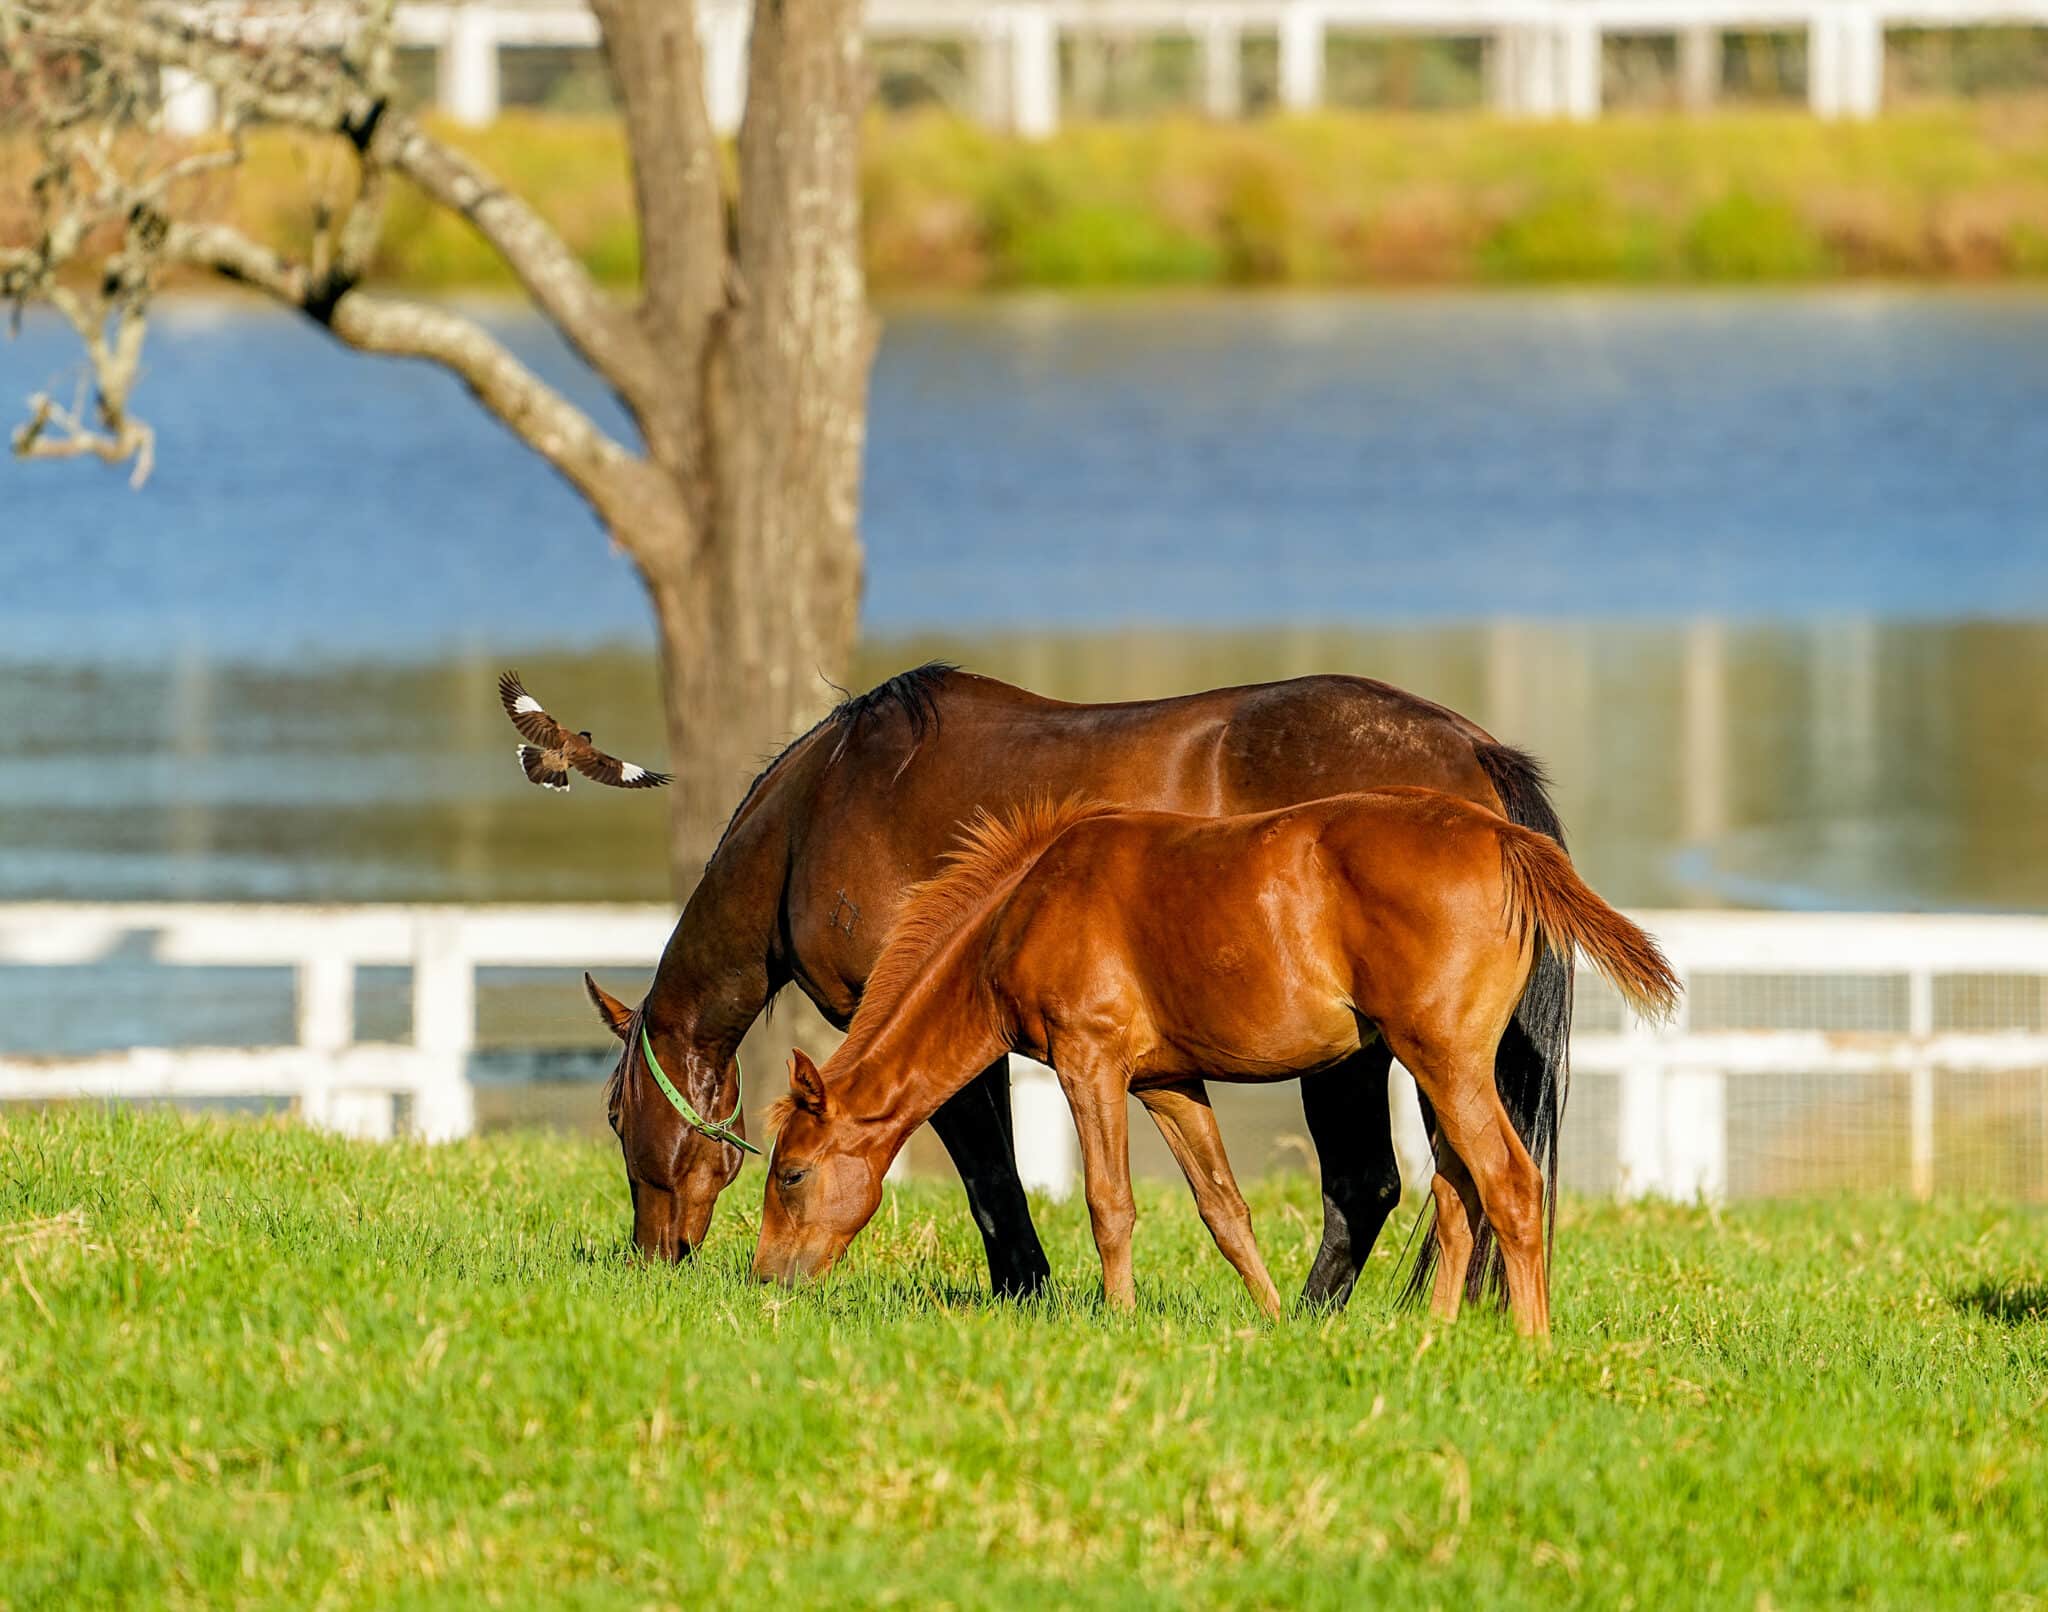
x=1842 y=764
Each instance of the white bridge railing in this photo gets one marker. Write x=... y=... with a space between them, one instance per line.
x=1912 y=1000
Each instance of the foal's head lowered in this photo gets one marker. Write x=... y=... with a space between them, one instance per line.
x=823 y=1186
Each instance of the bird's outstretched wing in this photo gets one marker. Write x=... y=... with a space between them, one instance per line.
x=532 y=722
x=592 y=762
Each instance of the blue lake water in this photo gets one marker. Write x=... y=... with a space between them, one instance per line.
x=1060 y=464
x=1764 y=576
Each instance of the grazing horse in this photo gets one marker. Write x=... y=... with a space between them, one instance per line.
x=811 y=873
x=1147 y=952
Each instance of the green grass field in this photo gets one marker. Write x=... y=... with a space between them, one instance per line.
x=243 y=1364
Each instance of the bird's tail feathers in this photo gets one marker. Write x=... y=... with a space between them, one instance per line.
x=533 y=761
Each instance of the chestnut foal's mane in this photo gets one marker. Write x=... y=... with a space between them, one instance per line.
x=993 y=854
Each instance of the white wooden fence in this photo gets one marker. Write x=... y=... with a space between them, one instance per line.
x=1910 y=982
x=331 y=1077
x=1544 y=60
x=1675 y=1081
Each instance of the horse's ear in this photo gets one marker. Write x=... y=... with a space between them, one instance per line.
x=616 y=1015
x=806 y=1085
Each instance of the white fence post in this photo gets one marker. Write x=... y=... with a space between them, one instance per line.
x=1699 y=66
x=190 y=105
x=1528 y=72
x=1547 y=70
x=1034 y=72
x=468 y=68
x=1639 y=1113
x=1578 y=52
x=327 y=1023
x=1920 y=1081
x=1845 y=62
x=1412 y=1151
x=1222 y=68
x=1302 y=39
x=1504 y=72
x=327 y=1002
x=443 y=1026
x=992 y=76
x=1823 y=74
x=1046 y=1148
x=725 y=66
x=1695 y=1135
x=1862 y=63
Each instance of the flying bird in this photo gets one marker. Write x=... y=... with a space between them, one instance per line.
x=554 y=749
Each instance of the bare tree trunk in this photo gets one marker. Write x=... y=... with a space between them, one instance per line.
x=735 y=693
x=758 y=609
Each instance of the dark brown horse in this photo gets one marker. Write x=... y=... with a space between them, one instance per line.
x=1150 y=951
x=812 y=870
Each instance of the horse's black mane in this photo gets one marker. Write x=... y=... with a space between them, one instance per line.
x=914 y=693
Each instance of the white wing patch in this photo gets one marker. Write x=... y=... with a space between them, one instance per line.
x=631 y=771
x=526 y=702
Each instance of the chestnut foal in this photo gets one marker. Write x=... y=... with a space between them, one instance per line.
x=1148 y=951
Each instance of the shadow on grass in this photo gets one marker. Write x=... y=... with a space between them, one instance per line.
x=2011 y=1304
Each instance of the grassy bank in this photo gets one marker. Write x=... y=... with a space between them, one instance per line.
x=1339 y=199
x=244 y=1365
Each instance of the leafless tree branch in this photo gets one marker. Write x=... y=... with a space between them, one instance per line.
x=535 y=412
x=92 y=67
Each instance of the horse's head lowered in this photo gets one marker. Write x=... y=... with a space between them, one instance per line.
x=679 y=1125
x=822 y=1187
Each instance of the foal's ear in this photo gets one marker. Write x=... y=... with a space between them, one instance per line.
x=806 y=1085
x=616 y=1015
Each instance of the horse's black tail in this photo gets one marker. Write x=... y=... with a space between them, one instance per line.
x=1531 y=1069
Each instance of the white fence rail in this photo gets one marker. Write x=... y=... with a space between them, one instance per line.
x=1913 y=1001
x=1544 y=61
x=333 y=1079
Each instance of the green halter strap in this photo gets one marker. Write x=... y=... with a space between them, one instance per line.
x=718 y=1130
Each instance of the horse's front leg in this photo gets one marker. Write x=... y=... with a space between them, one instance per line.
x=1096 y=1090
x=975 y=1125
x=1188 y=1123
x=1346 y=1110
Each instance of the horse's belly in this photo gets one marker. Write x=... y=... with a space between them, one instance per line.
x=1237 y=1041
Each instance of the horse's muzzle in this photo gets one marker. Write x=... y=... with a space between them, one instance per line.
x=791 y=1268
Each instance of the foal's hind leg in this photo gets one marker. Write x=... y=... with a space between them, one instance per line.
x=1457 y=1212
x=1188 y=1123
x=1473 y=1125
x=1096 y=1091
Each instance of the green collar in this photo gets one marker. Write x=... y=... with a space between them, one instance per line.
x=717 y=1130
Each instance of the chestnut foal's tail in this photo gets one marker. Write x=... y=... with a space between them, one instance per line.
x=1545 y=890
